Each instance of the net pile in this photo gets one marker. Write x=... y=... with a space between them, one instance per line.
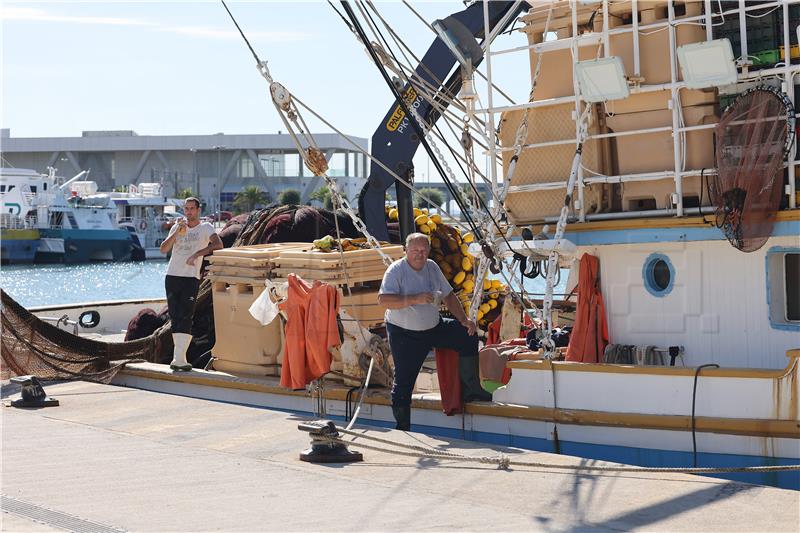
x=30 y=345
x=753 y=136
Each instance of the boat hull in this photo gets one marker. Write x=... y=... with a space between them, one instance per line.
x=83 y=246
x=18 y=246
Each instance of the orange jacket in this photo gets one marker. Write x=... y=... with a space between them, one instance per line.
x=311 y=331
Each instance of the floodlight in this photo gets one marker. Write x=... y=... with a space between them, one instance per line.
x=707 y=64
x=459 y=40
x=602 y=79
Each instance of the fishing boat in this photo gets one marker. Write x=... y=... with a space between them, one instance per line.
x=641 y=163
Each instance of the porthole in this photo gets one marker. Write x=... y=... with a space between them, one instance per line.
x=658 y=275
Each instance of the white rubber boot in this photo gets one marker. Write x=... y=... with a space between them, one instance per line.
x=181 y=341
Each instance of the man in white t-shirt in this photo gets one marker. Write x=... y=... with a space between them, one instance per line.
x=190 y=240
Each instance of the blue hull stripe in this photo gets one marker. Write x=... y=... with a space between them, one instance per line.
x=638 y=236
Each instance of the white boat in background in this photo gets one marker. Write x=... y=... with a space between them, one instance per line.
x=146 y=214
x=73 y=229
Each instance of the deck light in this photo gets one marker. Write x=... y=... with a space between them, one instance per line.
x=707 y=64
x=459 y=40
x=601 y=80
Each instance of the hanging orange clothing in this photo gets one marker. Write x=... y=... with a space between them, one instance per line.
x=311 y=331
x=589 y=336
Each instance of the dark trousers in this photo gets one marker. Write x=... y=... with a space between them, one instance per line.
x=409 y=349
x=181 y=294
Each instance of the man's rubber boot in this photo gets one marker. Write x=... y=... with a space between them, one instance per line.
x=181 y=342
x=403 y=417
x=471 y=389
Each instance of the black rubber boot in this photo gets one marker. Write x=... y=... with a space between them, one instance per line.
x=471 y=389
x=403 y=417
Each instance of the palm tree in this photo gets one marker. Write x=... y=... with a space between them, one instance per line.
x=185 y=193
x=323 y=196
x=289 y=197
x=434 y=194
x=248 y=198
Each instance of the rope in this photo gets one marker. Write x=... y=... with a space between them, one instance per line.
x=504 y=462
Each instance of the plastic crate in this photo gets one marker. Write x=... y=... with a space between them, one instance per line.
x=766 y=58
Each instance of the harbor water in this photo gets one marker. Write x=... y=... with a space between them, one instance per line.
x=40 y=285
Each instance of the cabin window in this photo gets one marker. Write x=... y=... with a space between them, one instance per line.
x=783 y=288
x=658 y=275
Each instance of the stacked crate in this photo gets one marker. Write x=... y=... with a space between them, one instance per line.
x=631 y=154
x=243 y=345
x=356 y=273
x=238 y=276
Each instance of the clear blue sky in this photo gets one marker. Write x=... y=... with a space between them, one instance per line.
x=173 y=68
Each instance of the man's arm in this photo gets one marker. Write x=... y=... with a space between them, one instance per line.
x=454 y=306
x=167 y=243
x=398 y=301
x=215 y=244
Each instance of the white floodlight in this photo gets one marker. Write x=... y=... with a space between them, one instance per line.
x=707 y=64
x=601 y=80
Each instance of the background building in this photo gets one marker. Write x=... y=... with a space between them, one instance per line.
x=213 y=167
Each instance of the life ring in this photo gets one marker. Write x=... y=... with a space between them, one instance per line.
x=142 y=225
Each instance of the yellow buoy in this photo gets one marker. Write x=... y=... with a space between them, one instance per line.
x=425 y=229
x=487 y=284
x=417 y=212
x=485 y=308
x=468 y=285
x=437 y=218
x=496 y=284
x=468 y=237
x=466 y=264
x=464 y=249
x=492 y=304
x=393 y=216
x=459 y=277
x=421 y=219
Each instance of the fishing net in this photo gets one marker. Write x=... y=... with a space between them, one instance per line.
x=753 y=137
x=30 y=345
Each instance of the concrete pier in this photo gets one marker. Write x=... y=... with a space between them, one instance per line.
x=111 y=458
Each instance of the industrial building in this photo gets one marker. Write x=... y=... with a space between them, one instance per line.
x=214 y=167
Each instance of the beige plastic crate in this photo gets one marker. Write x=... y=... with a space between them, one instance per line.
x=555 y=78
x=653 y=152
x=239 y=337
x=551 y=164
x=244 y=369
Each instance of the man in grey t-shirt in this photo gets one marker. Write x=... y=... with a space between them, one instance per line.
x=412 y=290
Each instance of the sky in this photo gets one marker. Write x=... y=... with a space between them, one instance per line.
x=181 y=68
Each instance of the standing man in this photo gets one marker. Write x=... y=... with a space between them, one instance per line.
x=190 y=240
x=412 y=290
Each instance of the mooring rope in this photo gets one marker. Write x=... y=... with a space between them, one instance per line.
x=505 y=462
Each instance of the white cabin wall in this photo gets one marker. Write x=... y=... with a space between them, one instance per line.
x=717 y=308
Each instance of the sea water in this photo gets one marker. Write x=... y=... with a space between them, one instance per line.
x=39 y=285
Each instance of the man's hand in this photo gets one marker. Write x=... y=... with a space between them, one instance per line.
x=191 y=259
x=423 y=298
x=470 y=326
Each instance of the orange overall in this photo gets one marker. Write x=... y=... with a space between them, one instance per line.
x=590 y=333
x=311 y=331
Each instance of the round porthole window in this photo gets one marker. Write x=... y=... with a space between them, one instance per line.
x=658 y=274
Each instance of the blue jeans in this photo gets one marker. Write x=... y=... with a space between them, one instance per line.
x=409 y=349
